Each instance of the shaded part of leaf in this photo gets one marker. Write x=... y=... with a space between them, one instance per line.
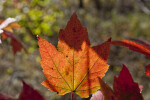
x=103 y=50
x=97 y=68
x=74 y=34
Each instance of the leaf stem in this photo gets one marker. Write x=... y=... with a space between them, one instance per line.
x=71 y=95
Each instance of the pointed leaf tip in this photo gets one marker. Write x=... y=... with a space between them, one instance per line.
x=125 y=74
x=109 y=40
x=74 y=14
x=123 y=65
x=37 y=36
x=124 y=86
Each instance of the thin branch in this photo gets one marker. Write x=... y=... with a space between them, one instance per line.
x=143 y=7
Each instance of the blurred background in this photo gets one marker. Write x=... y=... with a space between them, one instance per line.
x=119 y=19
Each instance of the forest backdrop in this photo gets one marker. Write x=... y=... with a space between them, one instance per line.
x=118 y=19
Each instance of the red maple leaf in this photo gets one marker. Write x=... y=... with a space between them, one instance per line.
x=124 y=87
x=28 y=93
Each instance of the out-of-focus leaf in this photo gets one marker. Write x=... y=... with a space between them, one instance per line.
x=133 y=46
x=17 y=46
x=141 y=42
x=125 y=88
x=4 y=97
x=107 y=91
x=7 y=27
x=28 y=93
x=97 y=96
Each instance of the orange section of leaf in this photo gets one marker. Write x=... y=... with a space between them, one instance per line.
x=75 y=66
x=133 y=46
x=11 y=26
x=147 y=72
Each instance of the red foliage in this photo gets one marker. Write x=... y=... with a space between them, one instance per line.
x=141 y=48
x=124 y=87
x=4 y=97
x=28 y=93
x=8 y=32
x=133 y=46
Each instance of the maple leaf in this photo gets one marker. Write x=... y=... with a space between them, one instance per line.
x=28 y=93
x=124 y=87
x=7 y=28
x=75 y=66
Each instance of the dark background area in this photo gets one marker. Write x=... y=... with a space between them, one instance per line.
x=119 y=19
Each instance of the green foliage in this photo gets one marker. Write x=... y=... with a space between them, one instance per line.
x=36 y=18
